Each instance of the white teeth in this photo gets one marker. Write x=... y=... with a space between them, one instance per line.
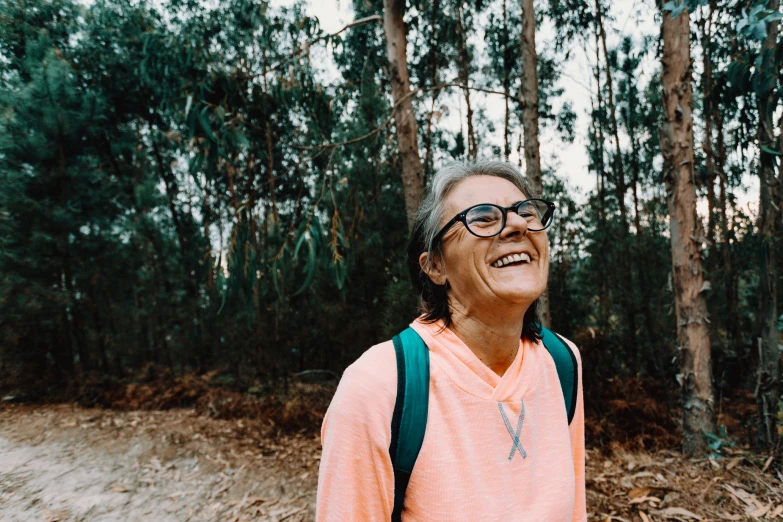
x=511 y=258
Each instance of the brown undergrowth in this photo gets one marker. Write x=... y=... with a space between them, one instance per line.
x=633 y=413
x=297 y=409
x=662 y=485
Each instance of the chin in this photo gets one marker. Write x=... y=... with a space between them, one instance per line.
x=520 y=297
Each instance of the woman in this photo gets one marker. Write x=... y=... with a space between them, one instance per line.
x=479 y=259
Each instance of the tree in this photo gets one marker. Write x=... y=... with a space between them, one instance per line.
x=693 y=342
x=528 y=93
x=768 y=373
x=405 y=117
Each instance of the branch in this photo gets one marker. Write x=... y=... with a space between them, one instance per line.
x=355 y=23
x=299 y=52
x=325 y=146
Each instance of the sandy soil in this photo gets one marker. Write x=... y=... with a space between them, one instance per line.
x=65 y=464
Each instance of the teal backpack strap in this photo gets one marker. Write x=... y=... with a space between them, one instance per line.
x=567 y=369
x=410 y=410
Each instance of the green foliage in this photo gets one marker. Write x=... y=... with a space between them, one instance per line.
x=753 y=22
x=717 y=442
x=678 y=6
x=168 y=198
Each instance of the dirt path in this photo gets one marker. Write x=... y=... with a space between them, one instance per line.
x=59 y=463
x=65 y=464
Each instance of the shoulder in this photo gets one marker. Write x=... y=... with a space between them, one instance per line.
x=374 y=372
x=367 y=389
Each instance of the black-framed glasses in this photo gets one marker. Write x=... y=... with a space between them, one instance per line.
x=488 y=220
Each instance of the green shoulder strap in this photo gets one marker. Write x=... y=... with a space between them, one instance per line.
x=410 y=410
x=567 y=371
x=409 y=419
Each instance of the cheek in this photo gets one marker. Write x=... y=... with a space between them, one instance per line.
x=542 y=245
x=463 y=262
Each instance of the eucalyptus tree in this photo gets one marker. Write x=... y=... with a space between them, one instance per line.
x=770 y=195
x=405 y=118
x=693 y=339
x=756 y=72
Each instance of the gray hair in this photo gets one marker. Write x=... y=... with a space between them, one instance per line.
x=433 y=298
x=430 y=212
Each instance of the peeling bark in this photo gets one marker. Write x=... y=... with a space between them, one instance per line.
x=676 y=136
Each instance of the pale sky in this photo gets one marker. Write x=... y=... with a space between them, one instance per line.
x=568 y=160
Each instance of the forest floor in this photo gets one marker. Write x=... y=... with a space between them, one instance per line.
x=66 y=463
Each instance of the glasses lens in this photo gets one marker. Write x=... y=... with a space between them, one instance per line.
x=484 y=220
x=537 y=214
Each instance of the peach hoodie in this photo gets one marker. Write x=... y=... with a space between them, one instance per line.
x=463 y=472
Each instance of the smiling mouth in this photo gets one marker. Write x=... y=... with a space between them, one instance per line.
x=511 y=259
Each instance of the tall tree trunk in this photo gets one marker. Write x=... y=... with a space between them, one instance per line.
x=428 y=160
x=405 y=118
x=603 y=291
x=206 y=211
x=528 y=93
x=691 y=307
x=506 y=82
x=767 y=387
x=464 y=78
x=620 y=190
x=269 y=152
x=732 y=319
x=705 y=24
x=640 y=250
x=617 y=167
x=709 y=156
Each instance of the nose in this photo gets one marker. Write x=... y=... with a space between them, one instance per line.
x=515 y=225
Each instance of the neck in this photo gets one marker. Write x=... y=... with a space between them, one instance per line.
x=493 y=338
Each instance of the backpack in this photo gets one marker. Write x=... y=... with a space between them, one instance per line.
x=409 y=419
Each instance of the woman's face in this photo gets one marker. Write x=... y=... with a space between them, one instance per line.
x=469 y=263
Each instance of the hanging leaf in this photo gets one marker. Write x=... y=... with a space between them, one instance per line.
x=759 y=30
x=203 y=119
x=770 y=150
x=310 y=269
x=223 y=301
x=302 y=238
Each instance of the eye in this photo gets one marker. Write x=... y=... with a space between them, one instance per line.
x=529 y=210
x=483 y=215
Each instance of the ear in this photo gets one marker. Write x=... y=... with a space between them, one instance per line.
x=432 y=265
